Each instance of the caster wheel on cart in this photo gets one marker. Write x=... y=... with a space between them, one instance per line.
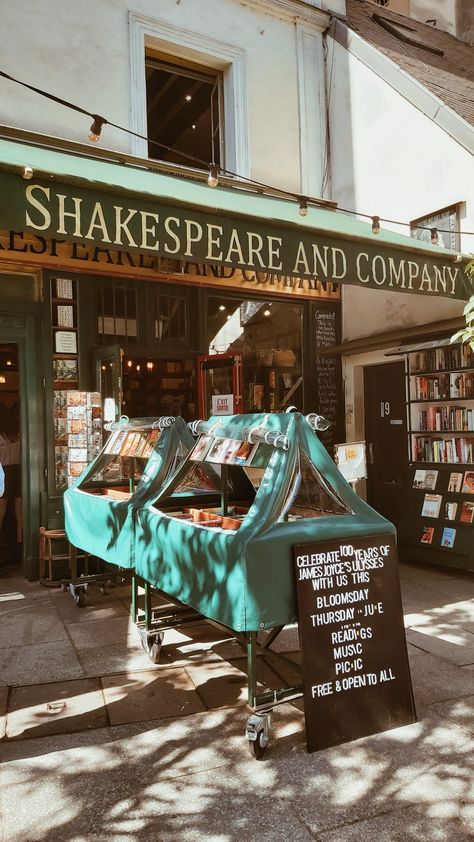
x=79 y=598
x=259 y=746
x=152 y=644
x=154 y=648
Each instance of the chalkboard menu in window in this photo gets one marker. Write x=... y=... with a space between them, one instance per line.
x=327 y=399
x=356 y=678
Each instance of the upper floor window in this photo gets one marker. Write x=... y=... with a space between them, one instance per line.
x=184 y=112
x=446 y=222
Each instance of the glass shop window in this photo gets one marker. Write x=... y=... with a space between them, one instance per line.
x=268 y=335
x=184 y=111
x=117 y=313
x=310 y=494
x=170 y=314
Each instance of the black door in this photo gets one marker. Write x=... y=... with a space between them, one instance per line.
x=386 y=436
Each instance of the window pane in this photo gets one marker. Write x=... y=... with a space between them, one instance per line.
x=268 y=335
x=183 y=107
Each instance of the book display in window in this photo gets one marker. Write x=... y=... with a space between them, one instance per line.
x=440 y=404
x=67 y=449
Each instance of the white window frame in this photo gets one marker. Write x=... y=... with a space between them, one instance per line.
x=312 y=110
x=146 y=33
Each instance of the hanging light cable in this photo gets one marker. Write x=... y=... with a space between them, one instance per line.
x=195 y=160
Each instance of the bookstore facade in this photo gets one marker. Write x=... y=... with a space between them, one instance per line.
x=198 y=302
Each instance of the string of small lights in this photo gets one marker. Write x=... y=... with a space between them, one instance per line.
x=215 y=170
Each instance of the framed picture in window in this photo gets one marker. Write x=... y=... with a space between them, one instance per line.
x=446 y=222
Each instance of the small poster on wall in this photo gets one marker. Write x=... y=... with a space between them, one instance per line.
x=65 y=342
x=351 y=460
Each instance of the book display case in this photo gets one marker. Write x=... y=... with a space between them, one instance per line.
x=438 y=523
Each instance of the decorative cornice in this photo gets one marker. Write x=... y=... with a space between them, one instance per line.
x=293 y=10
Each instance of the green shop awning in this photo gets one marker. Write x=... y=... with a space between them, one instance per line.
x=121 y=207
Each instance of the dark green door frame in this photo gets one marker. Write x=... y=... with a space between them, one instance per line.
x=22 y=330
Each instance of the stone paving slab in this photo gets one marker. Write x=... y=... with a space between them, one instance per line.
x=56 y=708
x=460 y=711
x=71 y=614
x=437 y=681
x=115 y=783
x=223 y=684
x=56 y=661
x=91 y=634
x=23 y=625
x=115 y=658
x=406 y=825
x=194 y=779
x=136 y=696
x=451 y=643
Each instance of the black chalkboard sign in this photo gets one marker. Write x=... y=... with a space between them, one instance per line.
x=328 y=393
x=356 y=678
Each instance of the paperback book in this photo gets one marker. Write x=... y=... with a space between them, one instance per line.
x=448 y=537
x=431 y=505
x=450 y=510
x=425 y=480
x=468 y=483
x=427 y=534
x=467 y=512
x=455 y=483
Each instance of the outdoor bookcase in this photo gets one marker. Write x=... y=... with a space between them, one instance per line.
x=133 y=464
x=218 y=536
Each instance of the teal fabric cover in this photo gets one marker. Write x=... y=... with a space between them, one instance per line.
x=245 y=579
x=105 y=527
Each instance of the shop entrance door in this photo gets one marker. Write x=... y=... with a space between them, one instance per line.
x=11 y=526
x=21 y=426
x=108 y=379
x=219 y=375
x=386 y=436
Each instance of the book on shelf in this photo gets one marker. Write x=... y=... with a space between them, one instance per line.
x=450 y=450
x=427 y=535
x=425 y=480
x=467 y=512
x=448 y=537
x=468 y=482
x=450 y=510
x=455 y=482
x=431 y=505
x=446 y=418
x=445 y=357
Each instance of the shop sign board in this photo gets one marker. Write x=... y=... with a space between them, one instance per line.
x=149 y=226
x=356 y=677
